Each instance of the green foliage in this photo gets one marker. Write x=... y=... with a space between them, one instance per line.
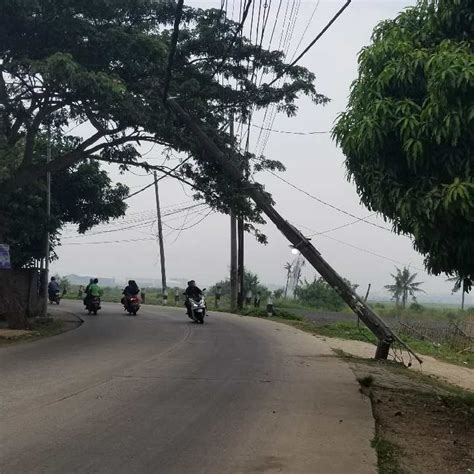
x=251 y=282
x=82 y=194
x=404 y=286
x=278 y=293
x=104 y=63
x=319 y=294
x=407 y=132
x=417 y=307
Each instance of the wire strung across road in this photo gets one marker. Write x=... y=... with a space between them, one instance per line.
x=332 y=206
x=321 y=33
x=174 y=42
x=289 y=132
x=166 y=174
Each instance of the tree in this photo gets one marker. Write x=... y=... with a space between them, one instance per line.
x=251 y=282
x=81 y=194
x=105 y=63
x=407 y=131
x=459 y=284
x=320 y=294
x=288 y=267
x=404 y=286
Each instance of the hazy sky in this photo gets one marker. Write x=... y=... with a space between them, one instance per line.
x=313 y=162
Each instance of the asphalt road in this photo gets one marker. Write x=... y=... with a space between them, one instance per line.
x=158 y=394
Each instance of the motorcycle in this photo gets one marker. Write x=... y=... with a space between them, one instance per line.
x=55 y=297
x=93 y=305
x=132 y=305
x=198 y=309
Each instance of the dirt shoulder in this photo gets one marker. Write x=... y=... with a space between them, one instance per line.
x=461 y=376
x=57 y=323
x=422 y=426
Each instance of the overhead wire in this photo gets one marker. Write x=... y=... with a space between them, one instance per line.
x=320 y=34
x=234 y=37
x=332 y=206
x=306 y=29
x=172 y=52
x=291 y=132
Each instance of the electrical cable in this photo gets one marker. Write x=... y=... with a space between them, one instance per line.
x=174 y=42
x=332 y=206
x=320 y=34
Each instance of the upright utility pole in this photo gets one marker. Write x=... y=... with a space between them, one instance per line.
x=233 y=244
x=240 y=262
x=48 y=218
x=160 y=239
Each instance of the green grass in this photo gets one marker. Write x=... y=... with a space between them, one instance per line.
x=387 y=456
x=50 y=327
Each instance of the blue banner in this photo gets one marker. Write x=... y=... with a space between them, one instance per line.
x=5 y=256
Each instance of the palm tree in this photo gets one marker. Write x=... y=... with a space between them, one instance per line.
x=404 y=286
x=288 y=267
x=459 y=284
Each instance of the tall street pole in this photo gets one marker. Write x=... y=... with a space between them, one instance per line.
x=233 y=245
x=160 y=241
x=48 y=218
x=240 y=262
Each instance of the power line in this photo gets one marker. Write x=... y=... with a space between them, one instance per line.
x=110 y=241
x=290 y=132
x=321 y=33
x=342 y=226
x=174 y=42
x=166 y=173
x=332 y=206
x=306 y=29
x=372 y=253
x=236 y=33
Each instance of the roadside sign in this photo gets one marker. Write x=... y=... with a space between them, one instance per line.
x=5 y=256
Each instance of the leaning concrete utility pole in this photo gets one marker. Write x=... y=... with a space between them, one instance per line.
x=263 y=201
x=160 y=242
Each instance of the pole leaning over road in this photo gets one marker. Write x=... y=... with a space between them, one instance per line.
x=263 y=201
x=160 y=241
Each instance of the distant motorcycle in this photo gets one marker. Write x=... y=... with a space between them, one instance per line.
x=55 y=297
x=132 y=305
x=93 y=305
x=198 y=309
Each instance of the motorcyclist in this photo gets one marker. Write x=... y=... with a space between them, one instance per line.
x=94 y=290
x=130 y=290
x=192 y=292
x=86 y=291
x=53 y=288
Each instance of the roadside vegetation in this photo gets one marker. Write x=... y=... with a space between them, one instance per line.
x=37 y=330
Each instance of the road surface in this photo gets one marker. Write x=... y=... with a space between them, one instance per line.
x=158 y=394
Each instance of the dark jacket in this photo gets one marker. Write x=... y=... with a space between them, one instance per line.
x=131 y=290
x=193 y=292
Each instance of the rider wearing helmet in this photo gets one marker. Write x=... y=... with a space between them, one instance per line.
x=192 y=292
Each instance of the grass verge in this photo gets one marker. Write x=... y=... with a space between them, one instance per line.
x=387 y=456
x=39 y=330
x=352 y=331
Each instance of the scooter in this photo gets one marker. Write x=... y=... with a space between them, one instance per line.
x=93 y=305
x=198 y=309
x=55 y=297
x=132 y=305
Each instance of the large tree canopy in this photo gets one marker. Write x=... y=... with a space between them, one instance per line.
x=104 y=62
x=82 y=194
x=408 y=130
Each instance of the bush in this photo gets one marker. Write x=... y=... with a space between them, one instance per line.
x=417 y=307
x=320 y=294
